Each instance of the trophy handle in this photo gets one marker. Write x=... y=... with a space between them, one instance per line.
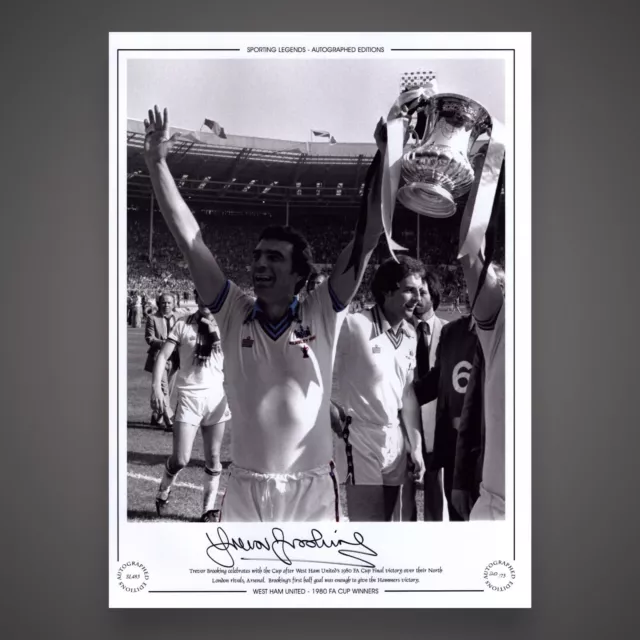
x=429 y=119
x=415 y=105
x=479 y=155
x=412 y=133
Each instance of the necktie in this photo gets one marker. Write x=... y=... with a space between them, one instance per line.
x=422 y=350
x=168 y=322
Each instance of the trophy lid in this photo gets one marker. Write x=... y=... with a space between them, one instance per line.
x=419 y=79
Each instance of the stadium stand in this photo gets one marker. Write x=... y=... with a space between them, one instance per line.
x=237 y=186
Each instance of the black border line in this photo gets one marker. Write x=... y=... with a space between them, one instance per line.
x=434 y=590
x=451 y=49
x=118 y=306
x=118 y=275
x=514 y=302
x=178 y=50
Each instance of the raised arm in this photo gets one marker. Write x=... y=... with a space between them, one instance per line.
x=336 y=410
x=205 y=272
x=352 y=262
x=490 y=299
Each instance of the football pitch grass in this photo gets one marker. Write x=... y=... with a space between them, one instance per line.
x=148 y=448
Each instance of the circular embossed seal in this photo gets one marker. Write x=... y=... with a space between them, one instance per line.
x=133 y=577
x=499 y=575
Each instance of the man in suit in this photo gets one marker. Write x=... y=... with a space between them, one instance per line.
x=429 y=328
x=157 y=330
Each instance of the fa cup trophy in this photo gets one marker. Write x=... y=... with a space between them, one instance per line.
x=433 y=162
x=437 y=168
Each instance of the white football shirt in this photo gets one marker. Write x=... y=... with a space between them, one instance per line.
x=278 y=379
x=194 y=379
x=491 y=336
x=373 y=367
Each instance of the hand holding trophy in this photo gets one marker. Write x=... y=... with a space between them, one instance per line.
x=437 y=168
x=435 y=161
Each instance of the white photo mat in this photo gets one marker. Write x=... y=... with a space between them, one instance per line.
x=403 y=565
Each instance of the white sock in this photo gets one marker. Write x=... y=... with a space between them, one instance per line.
x=168 y=479
x=211 y=484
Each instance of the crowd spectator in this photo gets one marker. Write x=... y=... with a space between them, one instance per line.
x=231 y=234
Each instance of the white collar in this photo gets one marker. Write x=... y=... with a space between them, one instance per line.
x=383 y=324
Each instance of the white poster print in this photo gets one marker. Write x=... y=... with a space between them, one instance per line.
x=268 y=460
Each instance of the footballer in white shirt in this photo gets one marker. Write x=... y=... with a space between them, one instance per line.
x=373 y=390
x=487 y=296
x=201 y=403
x=278 y=351
x=489 y=313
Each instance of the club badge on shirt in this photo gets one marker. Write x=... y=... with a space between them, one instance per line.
x=302 y=332
x=302 y=337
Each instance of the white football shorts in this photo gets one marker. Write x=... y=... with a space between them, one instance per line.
x=309 y=496
x=202 y=411
x=379 y=455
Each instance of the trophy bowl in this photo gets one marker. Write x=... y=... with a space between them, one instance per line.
x=437 y=169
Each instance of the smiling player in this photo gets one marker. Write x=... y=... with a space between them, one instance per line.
x=372 y=385
x=278 y=351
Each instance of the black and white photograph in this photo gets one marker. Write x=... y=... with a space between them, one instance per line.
x=315 y=293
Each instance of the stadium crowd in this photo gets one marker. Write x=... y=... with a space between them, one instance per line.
x=232 y=237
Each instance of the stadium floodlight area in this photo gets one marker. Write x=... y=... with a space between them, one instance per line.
x=254 y=172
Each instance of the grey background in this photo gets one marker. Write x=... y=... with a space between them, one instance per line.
x=54 y=262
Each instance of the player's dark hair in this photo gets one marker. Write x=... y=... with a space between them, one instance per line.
x=389 y=274
x=435 y=288
x=301 y=255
